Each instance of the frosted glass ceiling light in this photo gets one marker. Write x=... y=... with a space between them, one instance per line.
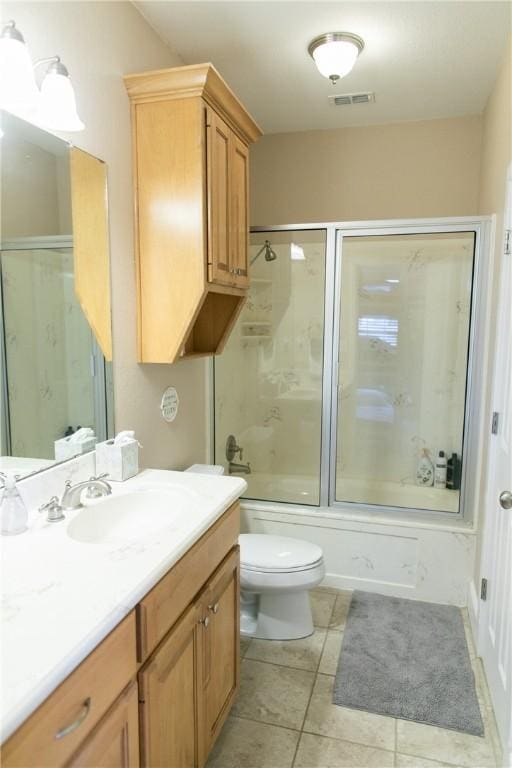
x=18 y=89
x=57 y=110
x=335 y=53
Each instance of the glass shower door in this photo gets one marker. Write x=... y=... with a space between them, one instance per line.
x=48 y=350
x=404 y=320
x=268 y=381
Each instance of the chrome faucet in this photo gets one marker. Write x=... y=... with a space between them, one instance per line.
x=232 y=448
x=239 y=469
x=96 y=487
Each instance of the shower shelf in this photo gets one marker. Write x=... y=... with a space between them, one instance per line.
x=263 y=330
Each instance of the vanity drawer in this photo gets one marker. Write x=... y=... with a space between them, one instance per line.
x=161 y=607
x=84 y=696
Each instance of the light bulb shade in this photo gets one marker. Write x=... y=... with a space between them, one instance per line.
x=18 y=89
x=57 y=110
x=335 y=53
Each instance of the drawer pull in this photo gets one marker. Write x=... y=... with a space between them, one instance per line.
x=86 y=708
x=204 y=621
x=213 y=608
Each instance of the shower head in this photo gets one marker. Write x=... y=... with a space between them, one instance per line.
x=270 y=254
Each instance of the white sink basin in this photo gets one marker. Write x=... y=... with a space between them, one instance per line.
x=132 y=516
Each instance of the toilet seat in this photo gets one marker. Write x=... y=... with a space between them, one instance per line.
x=265 y=553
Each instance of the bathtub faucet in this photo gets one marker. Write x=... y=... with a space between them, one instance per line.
x=239 y=469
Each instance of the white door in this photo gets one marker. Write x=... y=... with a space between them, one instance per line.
x=495 y=630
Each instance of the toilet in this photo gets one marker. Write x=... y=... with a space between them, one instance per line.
x=276 y=573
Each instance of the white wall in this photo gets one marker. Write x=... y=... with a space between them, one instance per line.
x=99 y=42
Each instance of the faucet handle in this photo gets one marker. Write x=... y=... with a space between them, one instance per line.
x=241 y=453
x=94 y=493
x=54 y=510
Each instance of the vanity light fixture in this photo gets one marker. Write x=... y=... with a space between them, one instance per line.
x=57 y=108
x=18 y=88
x=54 y=106
x=335 y=53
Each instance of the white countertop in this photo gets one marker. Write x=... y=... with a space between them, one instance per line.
x=60 y=598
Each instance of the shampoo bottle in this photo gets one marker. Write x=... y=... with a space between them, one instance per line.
x=440 y=471
x=425 y=471
x=12 y=509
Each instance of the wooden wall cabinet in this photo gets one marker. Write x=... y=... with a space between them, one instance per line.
x=191 y=137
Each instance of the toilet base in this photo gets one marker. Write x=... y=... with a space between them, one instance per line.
x=276 y=615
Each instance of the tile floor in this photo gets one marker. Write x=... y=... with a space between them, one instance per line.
x=284 y=715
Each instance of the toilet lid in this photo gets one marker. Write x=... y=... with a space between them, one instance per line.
x=264 y=552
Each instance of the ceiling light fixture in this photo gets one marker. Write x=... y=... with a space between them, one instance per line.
x=335 y=53
x=52 y=107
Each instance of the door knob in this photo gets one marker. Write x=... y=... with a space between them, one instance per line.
x=506 y=499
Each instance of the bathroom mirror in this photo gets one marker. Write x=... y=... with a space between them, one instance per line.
x=56 y=343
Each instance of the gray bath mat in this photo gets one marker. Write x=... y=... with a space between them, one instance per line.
x=407 y=659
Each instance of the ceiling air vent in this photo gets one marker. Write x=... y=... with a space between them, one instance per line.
x=352 y=98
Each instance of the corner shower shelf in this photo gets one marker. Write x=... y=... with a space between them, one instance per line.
x=262 y=330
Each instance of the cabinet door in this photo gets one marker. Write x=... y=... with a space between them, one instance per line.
x=170 y=713
x=239 y=212
x=218 y=136
x=221 y=671
x=114 y=743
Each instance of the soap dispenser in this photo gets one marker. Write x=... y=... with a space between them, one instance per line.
x=12 y=509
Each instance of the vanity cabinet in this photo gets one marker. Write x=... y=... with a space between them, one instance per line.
x=221 y=646
x=191 y=137
x=157 y=690
x=187 y=687
x=63 y=723
x=115 y=741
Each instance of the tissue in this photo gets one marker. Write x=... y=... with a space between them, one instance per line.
x=82 y=434
x=118 y=458
x=81 y=441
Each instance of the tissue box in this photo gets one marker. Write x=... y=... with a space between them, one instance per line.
x=120 y=462
x=65 y=449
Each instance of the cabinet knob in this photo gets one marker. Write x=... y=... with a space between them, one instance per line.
x=213 y=608
x=205 y=621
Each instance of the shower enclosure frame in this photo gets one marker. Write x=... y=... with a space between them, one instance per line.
x=474 y=406
x=98 y=367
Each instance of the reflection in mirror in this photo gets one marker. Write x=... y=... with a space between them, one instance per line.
x=55 y=338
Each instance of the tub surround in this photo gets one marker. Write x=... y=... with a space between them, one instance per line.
x=56 y=611
x=377 y=554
